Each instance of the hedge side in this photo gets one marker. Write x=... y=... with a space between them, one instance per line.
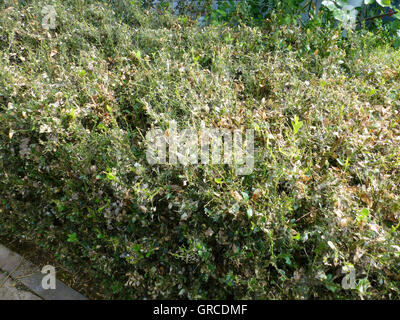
x=76 y=102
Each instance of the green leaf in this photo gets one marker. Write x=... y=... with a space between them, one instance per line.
x=331 y=287
x=342 y=3
x=296 y=125
x=287 y=259
x=137 y=54
x=110 y=176
x=329 y=4
x=384 y=3
x=222 y=13
x=72 y=237
x=363 y=215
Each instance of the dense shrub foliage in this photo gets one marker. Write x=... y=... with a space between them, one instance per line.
x=77 y=101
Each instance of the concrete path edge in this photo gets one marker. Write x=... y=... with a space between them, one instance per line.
x=30 y=275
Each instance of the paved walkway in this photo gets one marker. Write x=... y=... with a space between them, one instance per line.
x=12 y=290
x=24 y=276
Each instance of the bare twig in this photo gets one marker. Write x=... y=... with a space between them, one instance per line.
x=9 y=275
